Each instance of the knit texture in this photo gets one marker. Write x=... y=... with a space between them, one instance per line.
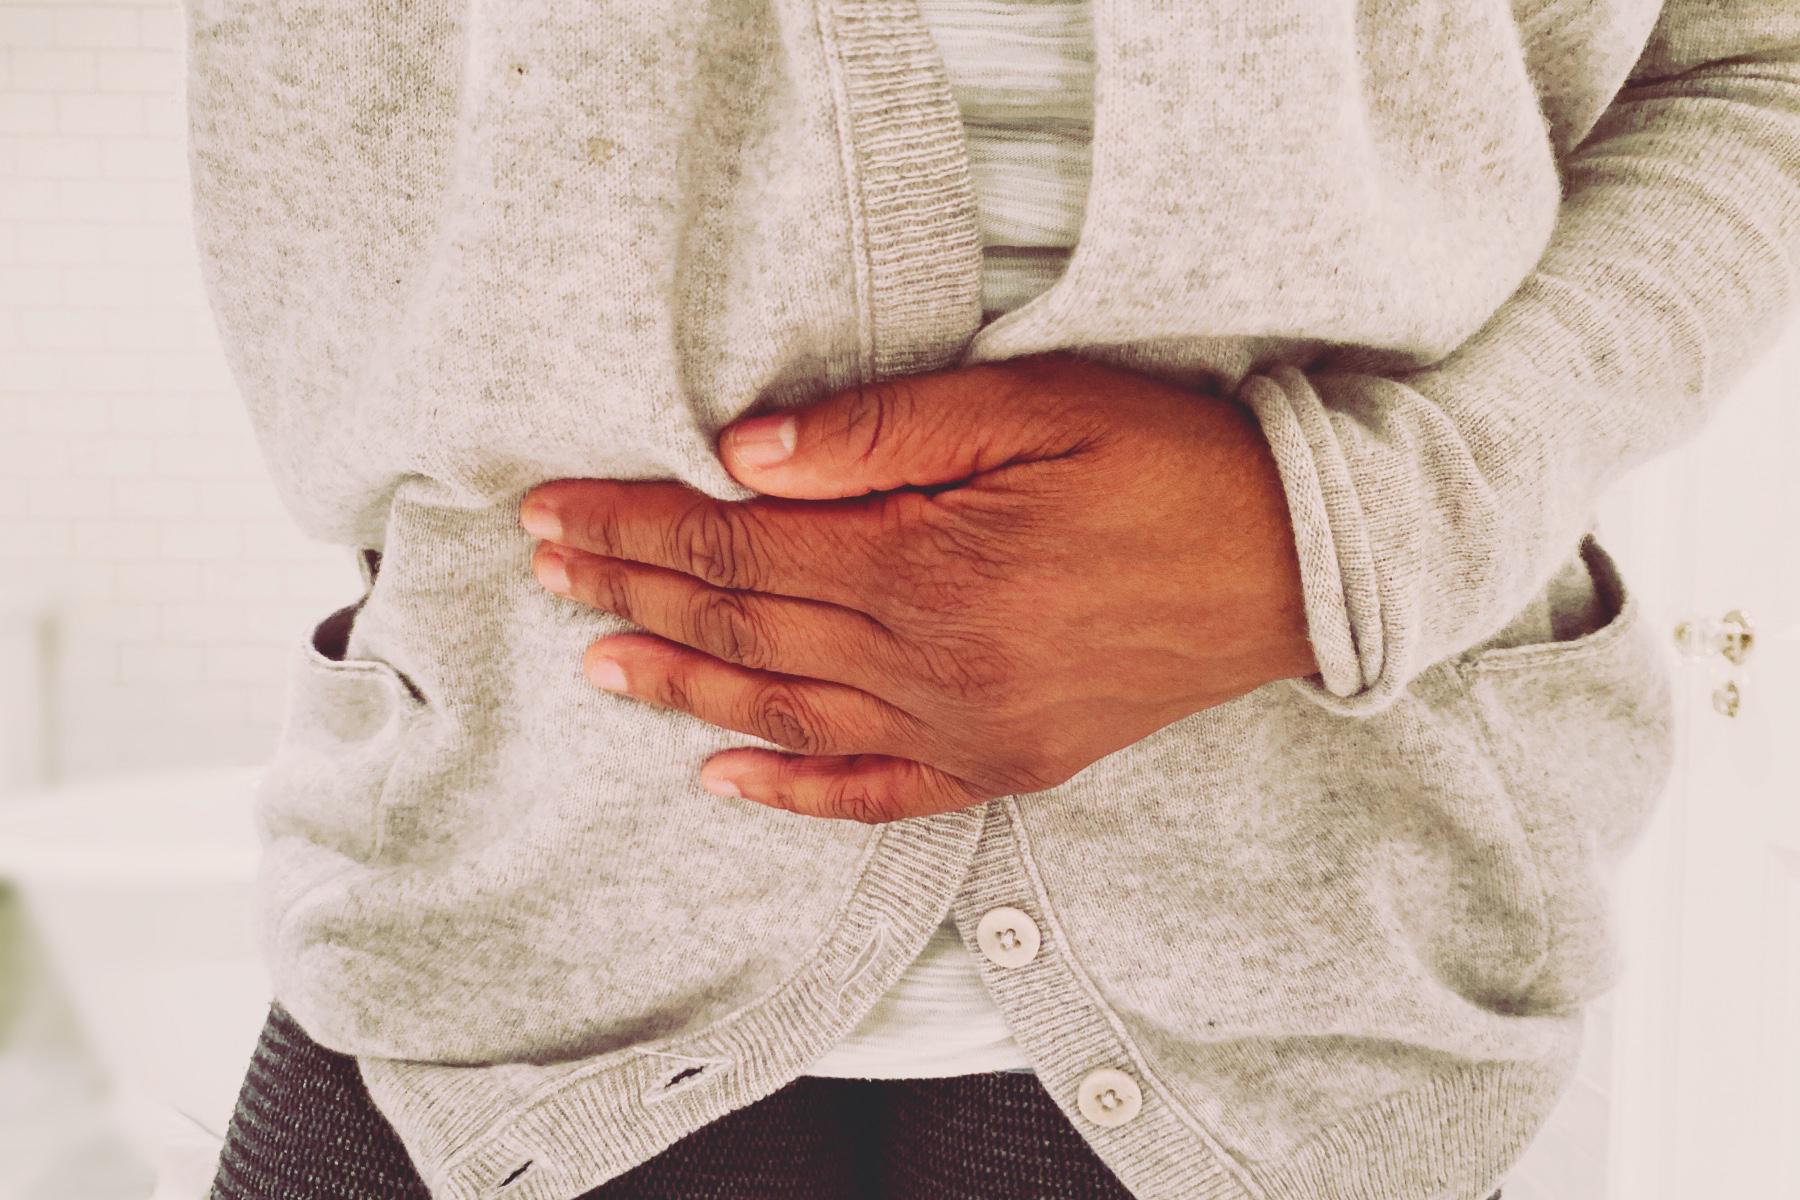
x=1022 y=75
x=938 y=1019
x=1464 y=262
x=305 y=1129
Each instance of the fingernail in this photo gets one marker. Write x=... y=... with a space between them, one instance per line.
x=606 y=673
x=540 y=520
x=551 y=569
x=720 y=786
x=763 y=441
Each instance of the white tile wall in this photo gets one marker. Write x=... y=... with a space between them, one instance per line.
x=132 y=495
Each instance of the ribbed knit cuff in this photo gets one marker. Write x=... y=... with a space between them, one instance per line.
x=1337 y=566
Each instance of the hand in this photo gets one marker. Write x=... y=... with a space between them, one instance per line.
x=957 y=586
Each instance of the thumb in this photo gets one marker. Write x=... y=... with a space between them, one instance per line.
x=919 y=430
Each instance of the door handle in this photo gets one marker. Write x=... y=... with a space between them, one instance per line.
x=1732 y=637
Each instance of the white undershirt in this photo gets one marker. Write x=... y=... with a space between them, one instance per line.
x=1022 y=73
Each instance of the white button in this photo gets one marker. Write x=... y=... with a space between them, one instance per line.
x=1008 y=936
x=1109 y=1097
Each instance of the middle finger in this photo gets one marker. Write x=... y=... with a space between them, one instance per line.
x=837 y=551
x=763 y=632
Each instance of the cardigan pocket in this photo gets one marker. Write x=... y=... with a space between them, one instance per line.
x=1581 y=733
x=347 y=721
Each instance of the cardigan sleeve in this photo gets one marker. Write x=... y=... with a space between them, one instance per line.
x=1429 y=507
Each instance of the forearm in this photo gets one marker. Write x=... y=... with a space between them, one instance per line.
x=1430 y=506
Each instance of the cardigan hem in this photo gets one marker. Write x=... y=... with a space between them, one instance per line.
x=1450 y=1138
x=468 y=1127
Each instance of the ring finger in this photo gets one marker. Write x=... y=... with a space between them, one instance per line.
x=785 y=634
x=806 y=716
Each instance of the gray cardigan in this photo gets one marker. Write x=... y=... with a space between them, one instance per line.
x=1333 y=940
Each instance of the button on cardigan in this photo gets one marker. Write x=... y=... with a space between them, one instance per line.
x=1332 y=940
x=1022 y=75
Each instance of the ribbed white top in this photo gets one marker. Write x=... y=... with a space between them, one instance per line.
x=1022 y=73
x=937 y=1019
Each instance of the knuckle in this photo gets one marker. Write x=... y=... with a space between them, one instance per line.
x=675 y=691
x=781 y=715
x=598 y=526
x=723 y=624
x=876 y=414
x=603 y=585
x=714 y=547
x=856 y=799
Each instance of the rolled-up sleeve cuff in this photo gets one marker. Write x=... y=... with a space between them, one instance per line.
x=1337 y=569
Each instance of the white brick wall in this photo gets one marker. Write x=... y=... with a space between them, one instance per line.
x=132 y=496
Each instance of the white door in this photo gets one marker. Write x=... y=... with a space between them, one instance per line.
x=1705 y=1054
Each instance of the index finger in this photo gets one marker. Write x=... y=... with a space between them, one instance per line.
x=839 y=551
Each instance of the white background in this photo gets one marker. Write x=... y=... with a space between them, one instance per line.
x=135 y=510
x=131 y=492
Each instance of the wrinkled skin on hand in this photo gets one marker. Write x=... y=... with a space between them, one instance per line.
x=956 y=586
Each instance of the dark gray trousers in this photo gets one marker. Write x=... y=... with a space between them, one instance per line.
x=305 y=1129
